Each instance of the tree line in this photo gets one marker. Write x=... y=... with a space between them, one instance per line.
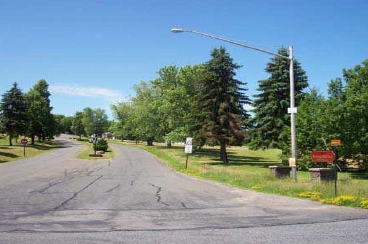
x=27 y=114
x=30 y=114
x=206 y=102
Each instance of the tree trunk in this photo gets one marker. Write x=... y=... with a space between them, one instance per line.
x=32 y=139
x=150 y=141
x=10 y=139
x=223 y=153
x=168 y=144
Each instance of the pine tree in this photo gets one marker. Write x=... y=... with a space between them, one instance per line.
x=219 y=104
x=271 y=121
x=13 y=112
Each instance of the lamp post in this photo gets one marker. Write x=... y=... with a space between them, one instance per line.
x=292 y=110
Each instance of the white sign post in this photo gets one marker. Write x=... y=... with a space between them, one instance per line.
x=188 y=149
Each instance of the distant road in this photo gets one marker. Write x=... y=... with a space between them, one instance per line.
x=134 y=198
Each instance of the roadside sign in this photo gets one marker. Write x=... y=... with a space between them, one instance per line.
x=323 y=156
x=24 y=142
x=188 y=149
x=292 y=110
x=188 y=145
x=335 y=142
x=94 y=140
x=292 y=162
x=189 y=141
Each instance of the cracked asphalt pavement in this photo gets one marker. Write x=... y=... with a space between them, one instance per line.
x=134 y=198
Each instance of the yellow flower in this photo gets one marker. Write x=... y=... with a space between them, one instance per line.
x=341 y=200
x=311 y=195
x=257 y=187
x=364 y=203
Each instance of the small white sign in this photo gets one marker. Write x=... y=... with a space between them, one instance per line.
x=292 y=110
x=188 y=148
x=292 y=162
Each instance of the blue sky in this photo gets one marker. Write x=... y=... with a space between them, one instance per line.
x=92 y=52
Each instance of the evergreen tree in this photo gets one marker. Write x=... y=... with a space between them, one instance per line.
x=271 y=121
x=221 y=100
x=13 y=112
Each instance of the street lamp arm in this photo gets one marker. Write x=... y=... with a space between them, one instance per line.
x=176 y=30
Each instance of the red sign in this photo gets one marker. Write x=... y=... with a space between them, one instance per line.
x=323 y=156
x=24 y=141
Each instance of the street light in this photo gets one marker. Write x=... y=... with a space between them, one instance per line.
x=292 y=110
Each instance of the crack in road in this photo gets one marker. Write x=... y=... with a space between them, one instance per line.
x=51 y=184
x=76 y=193
x=158 y=194
x=94 y=171
x=113 y=188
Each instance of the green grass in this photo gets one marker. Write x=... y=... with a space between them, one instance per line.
x=248 y=169
x=88 y=149
x=15 y=152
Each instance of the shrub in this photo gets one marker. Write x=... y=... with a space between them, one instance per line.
x=101 y=145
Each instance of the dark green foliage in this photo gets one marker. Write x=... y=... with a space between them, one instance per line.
x=13 y=112
x=41 y=122
x=218 y=107
x=271 y=121
x=343 y=115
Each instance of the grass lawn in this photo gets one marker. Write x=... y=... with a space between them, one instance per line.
x=15 y=152
x=248 y=169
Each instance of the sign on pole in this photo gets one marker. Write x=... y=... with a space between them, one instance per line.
x=24 y=142
x=188 y=145
x=323 y=156
x=335 y=142
x=188 y=149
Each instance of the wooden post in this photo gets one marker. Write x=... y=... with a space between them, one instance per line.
x=186 y=161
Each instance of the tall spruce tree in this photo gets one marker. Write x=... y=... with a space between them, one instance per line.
x=271 y=121
x=220 y=103
x=13 y=112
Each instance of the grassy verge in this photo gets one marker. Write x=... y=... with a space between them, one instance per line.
x=249 y=170
x=88 y=149
x=15 y=152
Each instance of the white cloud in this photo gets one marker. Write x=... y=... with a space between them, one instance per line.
x=76 y=90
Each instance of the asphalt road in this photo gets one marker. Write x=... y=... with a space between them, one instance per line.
x=134 y=198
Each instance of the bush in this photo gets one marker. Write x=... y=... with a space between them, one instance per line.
x=101 y=145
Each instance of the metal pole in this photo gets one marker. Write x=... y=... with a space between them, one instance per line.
x=292 y=114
